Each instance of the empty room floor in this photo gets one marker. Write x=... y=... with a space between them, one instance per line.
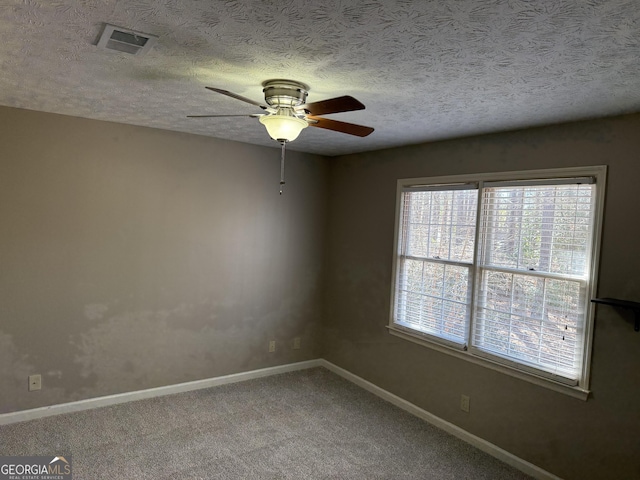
x=309 y=424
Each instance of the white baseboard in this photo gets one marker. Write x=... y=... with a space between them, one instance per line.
x=485 y=446
x=24 y=415
x=481 y=444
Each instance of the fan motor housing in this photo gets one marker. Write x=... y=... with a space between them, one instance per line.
x=285 y=93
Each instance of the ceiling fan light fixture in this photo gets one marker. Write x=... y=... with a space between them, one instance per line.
x=283 y=127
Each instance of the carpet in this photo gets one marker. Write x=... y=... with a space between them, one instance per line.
x=308 y=424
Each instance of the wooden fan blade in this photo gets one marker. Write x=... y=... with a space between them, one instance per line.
x=220 y=116
x=332 y=105
x=343 y=127
x=237 y=97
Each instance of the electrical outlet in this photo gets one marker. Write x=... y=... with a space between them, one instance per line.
x=296 y=343
x=272 y=346
x=465 y=403
x=35 y=382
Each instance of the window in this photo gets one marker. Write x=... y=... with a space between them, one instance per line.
x=501 y=268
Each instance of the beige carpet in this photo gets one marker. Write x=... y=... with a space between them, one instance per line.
x=309 y=424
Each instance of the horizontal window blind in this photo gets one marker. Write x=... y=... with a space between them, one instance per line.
x=436 y=246
x=502 y=266
x=538 y=228
x=535 y=246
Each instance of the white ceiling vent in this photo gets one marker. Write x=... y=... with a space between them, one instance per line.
x=125 y=40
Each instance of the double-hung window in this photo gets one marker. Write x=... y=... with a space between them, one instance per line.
x=500 y=268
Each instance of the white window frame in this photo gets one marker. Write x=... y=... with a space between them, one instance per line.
x=581 y=390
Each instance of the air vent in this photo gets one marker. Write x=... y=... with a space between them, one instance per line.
x=125 y=40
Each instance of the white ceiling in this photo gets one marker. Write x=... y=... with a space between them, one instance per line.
x=426 y=70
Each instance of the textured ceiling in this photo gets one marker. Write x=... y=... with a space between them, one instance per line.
x=426 y=70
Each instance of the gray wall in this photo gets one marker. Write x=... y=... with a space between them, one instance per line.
x=569 y=437
x=133 y=258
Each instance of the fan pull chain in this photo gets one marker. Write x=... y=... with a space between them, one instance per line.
x=282 y=167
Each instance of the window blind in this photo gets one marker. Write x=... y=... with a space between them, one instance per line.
x=435 y=260
x=533 y=270
x=501 y=267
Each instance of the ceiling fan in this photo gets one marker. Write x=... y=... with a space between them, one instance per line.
x=286 y=114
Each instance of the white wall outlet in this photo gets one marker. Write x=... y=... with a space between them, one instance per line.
x=296 y=343
x=272 y=346
x=35 y=382
x=465 y=403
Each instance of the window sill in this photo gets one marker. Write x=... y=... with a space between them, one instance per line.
x=572 y=391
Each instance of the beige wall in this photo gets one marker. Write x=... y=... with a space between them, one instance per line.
x=574 y=439
x=132 y=258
